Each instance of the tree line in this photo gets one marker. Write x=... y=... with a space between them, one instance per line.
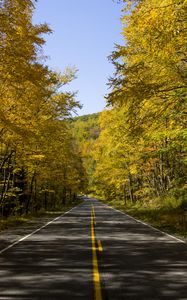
x=140 y=154
x=40 y=164
x=134 y=150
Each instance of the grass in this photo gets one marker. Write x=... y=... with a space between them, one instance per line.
x=14 y=221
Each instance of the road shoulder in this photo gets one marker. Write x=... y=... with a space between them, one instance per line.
x=14 y=234
x=149 y=222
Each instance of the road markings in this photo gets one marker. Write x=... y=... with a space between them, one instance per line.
x=35 y=231
x=96 y=275
x=100 y=247
x=148 y=225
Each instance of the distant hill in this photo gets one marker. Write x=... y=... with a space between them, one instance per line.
x=86 y=131
x=87 y=117
x=86 y=127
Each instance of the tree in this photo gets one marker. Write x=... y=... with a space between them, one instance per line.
x=150 y=85
x=86 y=131
x=34 y=131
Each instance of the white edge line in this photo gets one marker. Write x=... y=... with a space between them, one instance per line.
x=150 y=226
x=35 y=231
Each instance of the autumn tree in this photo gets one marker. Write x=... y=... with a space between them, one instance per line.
x=86 y=131
x=33 y=115
x=150 y=86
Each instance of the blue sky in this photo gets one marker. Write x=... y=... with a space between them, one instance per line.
x=84 y=34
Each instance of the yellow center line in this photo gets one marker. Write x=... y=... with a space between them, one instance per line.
x=100 y=247
x=96 y=275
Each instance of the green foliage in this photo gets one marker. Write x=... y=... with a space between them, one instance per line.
x=86 y=127
x=86 y=131
x=169 y=219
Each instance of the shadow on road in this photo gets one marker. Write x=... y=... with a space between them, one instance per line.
x=55 y=263
x=139 y=262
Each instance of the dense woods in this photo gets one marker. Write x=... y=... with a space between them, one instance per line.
x=135 y=150
x=40 y=166
x=86 y=131
x=140 y=154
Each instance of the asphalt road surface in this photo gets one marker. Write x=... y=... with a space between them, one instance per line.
x=94 y=253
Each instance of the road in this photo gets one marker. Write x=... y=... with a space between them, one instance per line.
x=94 y=253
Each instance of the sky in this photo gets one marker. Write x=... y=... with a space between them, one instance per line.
x=84 y=35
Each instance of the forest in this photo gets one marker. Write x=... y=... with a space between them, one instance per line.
x=133 y=154
x=40 y=166
x=139 y=159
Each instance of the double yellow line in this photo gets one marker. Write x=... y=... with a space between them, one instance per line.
x=96 y=246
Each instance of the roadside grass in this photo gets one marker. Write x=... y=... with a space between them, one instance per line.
x=14 y=221
x=168 y=219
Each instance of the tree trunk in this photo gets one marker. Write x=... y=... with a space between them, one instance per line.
x=64 y=196
x=130 y=188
